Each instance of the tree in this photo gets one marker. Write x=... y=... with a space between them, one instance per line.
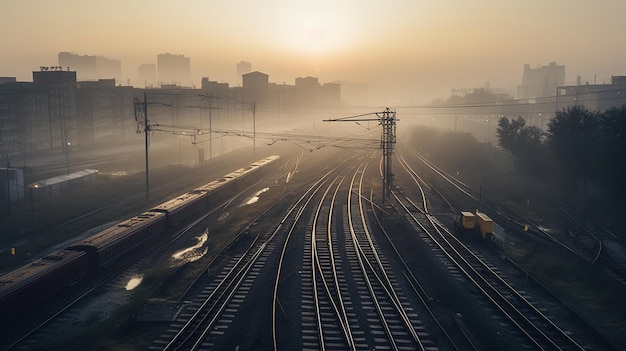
x=524 y=143
x=612 y=135
x=508 y=133
x=573 y=139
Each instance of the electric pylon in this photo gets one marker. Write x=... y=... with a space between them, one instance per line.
x=386 y=119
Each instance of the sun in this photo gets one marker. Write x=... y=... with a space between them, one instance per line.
x=314 y=30
x=314 y=37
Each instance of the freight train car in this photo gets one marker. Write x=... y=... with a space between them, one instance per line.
x=22 y=288
x=29 y=285
x=475 y=223
x=485 y=225
x=109 y=245
x=182 y=207
x=220 y=189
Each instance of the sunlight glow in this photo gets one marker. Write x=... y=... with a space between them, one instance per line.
x=192 y=253
x=317 y=29
x=255 y=197
x=134 y=282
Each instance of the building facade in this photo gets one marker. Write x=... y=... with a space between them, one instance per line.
x=57 y=113
x=147 y=75
x=24 y=119
x=62 y=105
x=595 y=97
x=174 y=69
x=90 y=67
x=541 y=82
x=255 y=87
x=243 y=67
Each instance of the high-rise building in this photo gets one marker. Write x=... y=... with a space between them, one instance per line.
x=308 y=91
x=243 y=67
x=108 y=68
x=61 y=90
x=541 y=82
x=23 y=118
x=89 y=67
x=255 y=85
x=174 y=69
x=83 y=65
x=147 y=75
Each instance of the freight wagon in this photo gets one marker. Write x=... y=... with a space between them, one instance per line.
x=24 y=288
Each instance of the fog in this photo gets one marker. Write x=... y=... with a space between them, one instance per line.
x=408 y=51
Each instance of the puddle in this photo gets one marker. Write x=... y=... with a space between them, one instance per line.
x=119 y=173
x=255 y=197
x=134 y=282
x=192 y=253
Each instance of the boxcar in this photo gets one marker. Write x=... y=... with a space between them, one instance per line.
x=105 y=247
x=182 y=207
x=29 y=285
x=468 y=220
x=218 y=190
x=485 y=225
x=478 y=224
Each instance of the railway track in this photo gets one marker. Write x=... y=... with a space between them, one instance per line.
x=400 y=325
x=520 y=313
x=208 y=314
x=56 y=317
x=108 y=287
x=593 y=241
x=585 y=236
x=331 y=301
x=350 y=298
x=310 y=308
x=200 y=318
x=529 y=321
x=323 y=274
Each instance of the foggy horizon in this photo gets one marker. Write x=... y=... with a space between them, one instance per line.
x=398 y=48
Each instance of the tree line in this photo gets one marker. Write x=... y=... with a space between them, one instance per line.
x=581 y=149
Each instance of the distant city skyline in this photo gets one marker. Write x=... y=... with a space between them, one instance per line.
x=398 y=47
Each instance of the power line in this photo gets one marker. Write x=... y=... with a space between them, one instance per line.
x=386 y=119
x=547 y=100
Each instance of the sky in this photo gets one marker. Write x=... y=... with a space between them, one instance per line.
x=419 y=48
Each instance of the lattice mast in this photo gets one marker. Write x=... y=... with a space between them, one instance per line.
x=386 y=119
x=387 y=144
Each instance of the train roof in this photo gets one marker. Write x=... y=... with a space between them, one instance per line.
x=265 y=160
x=484 y=217
x=236 y=174
x=37 y=268
x=213 y=184
x=113 y=232
x=178 y=201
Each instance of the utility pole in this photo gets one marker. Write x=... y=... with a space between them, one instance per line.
x=387 y=119
x=210 y=131
x=211 y=108
x=141 y=108
x=387 y=144
x=8 y=189
x=254 y=131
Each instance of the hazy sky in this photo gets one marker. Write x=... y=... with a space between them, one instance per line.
x=425 y=48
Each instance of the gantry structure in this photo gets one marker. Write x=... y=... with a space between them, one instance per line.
x=387 y=120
